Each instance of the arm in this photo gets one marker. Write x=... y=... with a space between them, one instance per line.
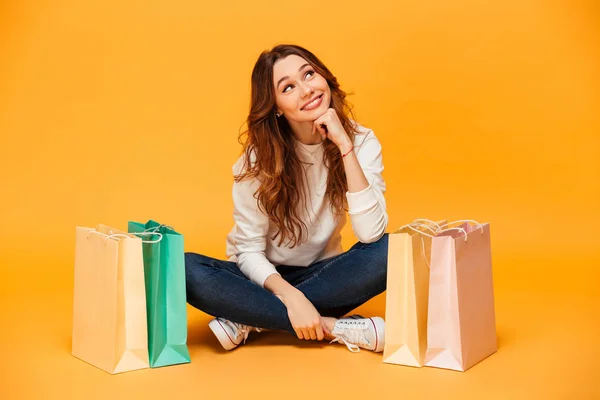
x=252 y=227
x=303 y=315
x=366 y=188
x=363 y=166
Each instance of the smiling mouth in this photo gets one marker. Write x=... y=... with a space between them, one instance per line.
x=313 y=104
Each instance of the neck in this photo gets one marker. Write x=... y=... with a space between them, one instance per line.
x=302 y=131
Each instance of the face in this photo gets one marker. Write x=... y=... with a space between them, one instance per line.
x=301 y=94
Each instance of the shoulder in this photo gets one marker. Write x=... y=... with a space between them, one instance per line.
x=240 y=165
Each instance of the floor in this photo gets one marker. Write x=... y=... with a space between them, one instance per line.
x=548 y=334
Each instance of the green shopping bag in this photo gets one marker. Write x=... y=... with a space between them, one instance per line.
x=164 y=272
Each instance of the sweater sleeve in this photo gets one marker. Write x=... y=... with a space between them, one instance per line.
x=252 y=227
x=367 y=208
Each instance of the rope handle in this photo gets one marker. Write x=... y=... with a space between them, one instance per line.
x=436 y=230
x=460 y=221
x=157 y=228
x=412 y=226
x=435 y=224
x=115 y=235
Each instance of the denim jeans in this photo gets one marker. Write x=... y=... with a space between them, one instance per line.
x=335 y=286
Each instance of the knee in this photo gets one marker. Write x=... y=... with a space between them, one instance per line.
x=378 y=249
x=378 y=254
x=198 y=269
x=195 y=266
x=195 y=259
x=383 y=241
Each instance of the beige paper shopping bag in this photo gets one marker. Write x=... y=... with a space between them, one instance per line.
x=109 y=300
x=461 y=329
x=406 y=296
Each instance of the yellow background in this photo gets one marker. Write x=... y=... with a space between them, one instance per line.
x=113 y=111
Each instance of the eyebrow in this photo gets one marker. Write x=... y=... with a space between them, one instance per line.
x=287 y=77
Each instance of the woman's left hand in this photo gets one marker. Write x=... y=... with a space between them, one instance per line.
x=334 y=130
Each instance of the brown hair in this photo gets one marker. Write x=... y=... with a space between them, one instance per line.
x=274 y=162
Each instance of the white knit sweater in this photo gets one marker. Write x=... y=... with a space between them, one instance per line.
x=249 y=241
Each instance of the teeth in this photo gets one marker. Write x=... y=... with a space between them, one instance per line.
x=312 y=102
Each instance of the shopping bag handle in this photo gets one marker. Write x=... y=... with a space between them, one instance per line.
x=114 y=235
x=413 y=224
x=465 y=220
x=149 y=233
x=440 y=231
x=156 y=228
x=436 y=232
x=418 y=220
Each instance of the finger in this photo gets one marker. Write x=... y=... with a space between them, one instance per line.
x=306 y=334
x=299 y=333
x=322 y=128
x=320 y=334
x=313 y=334
x=317 y=126
x=314 y=128
x=316 y=123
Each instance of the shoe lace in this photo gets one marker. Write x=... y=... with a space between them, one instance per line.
x=352 y=337
x=245 y=329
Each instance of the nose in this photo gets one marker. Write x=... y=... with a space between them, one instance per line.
x=306 y=89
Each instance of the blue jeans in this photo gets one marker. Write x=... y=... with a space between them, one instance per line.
x=335 y=286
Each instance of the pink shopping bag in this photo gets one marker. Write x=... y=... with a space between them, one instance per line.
x=461 y=325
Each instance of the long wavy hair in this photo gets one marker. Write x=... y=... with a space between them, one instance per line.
x=269 y=154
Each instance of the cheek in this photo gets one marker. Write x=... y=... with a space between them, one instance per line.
x=323 y=84
x=287 y=103
x=279 y=102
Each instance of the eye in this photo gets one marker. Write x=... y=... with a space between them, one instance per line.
x=311 y=72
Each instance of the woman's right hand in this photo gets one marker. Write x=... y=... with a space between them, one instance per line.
x=304 y=317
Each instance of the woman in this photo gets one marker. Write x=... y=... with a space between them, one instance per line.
x=305 y=162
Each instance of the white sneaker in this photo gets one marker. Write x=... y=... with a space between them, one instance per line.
x=355 y=332
x=230 y=334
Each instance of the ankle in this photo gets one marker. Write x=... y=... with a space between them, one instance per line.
x=329 y=324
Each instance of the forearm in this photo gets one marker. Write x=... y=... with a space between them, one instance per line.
x=354 y=173
x=366 y=203
x=280 y=287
